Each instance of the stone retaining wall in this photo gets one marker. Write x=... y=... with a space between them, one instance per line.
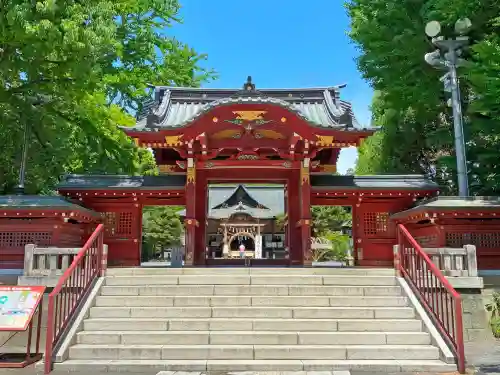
x=475 y=316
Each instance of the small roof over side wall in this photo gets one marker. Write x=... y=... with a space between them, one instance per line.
x=381 y=182
x=121 y=182
x=466 y=206
x=22 y=206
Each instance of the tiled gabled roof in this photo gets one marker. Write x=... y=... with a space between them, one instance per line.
x=178 y=106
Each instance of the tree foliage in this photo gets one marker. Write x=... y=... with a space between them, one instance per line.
x=161 y=226
x=327 y=219
x=410 y=105
x=71 y=71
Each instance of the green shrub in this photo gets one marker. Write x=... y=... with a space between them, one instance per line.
x=338 y=251
x=493 y=308
x=495 y=327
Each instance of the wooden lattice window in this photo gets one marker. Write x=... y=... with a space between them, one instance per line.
x=118 y=223
x=20 y=239
x=484 y=240
x=375 y=223
x=124 y=223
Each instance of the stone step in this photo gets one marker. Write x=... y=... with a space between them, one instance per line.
x=154 y=366
x=281 y=279
x=250 y=271
x=249 y=352
x=279 y=324
x=255 y=312
x=246 y=290
x=164 y=301
x=252 y=338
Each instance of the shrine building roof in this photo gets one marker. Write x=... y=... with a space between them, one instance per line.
x=263 y=202
x=445 y=204
x=174 y=107
x=39 y=203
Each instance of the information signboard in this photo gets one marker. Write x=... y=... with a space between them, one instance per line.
x=17 y=306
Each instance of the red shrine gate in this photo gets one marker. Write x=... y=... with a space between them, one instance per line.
x=287 y=136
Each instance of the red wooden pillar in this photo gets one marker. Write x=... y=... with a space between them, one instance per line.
x=201 y=218
x=305 y=213
x=293 y=208
x=286 y=226
x=136 y=234
x=190 y=220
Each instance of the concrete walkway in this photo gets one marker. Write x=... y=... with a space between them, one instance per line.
x=484 y=357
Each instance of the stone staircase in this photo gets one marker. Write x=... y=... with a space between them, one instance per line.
x=251 y=319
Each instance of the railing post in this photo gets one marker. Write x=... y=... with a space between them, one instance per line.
x=49 y=336
x=395 y=250
x=99 y=254
x=459 y=336
x=470 y=250
x=29 y=251
x=104 y=264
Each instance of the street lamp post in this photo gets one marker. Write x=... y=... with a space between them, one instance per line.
x=19 y=190
x=22 y=170
x=451 y=60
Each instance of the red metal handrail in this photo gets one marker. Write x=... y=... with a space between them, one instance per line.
x=441 y=301
x=71 y=289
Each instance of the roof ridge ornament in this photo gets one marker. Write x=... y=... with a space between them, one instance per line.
x=248 y=90
x=249 y=86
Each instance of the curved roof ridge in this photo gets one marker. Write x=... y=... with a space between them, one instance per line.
x=313 y=88
x=160 y=113
x=331 y=105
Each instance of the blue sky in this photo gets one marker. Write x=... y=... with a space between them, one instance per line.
x=280 y=43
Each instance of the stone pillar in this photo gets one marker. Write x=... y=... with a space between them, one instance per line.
x=190 y=220
x=305 y=213
x=225 y=245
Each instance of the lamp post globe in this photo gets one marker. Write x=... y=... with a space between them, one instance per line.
x=463 y=25
x=432 y=29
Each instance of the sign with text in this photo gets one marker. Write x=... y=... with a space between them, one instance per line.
x=17 y=306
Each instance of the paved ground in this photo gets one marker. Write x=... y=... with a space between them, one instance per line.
x=485 y=357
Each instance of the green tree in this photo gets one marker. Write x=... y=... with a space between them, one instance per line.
x=410 y=105
x=327 y=219
x=71 y=71
x=161 y=226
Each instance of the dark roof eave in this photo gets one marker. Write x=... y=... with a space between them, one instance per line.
x=371 y=188
x=121 y=182
x=92 y=188
x=44 y=203
x=433 y=206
